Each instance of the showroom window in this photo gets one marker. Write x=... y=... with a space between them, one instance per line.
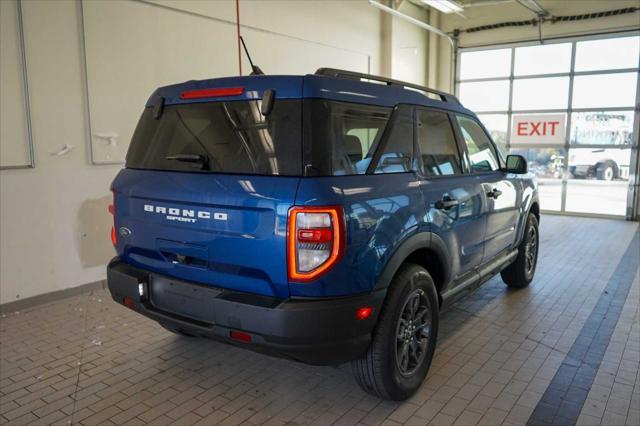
x=568 y=107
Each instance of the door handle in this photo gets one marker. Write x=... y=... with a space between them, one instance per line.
x=446 y=203
x=494 y=193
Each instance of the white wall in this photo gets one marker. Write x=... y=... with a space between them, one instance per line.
x=54 y=226
x=409 y=46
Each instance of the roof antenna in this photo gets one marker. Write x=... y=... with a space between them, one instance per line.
x=255 y=70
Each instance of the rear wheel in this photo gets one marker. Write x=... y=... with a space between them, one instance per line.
x=606 y=171
x=520 y=273
x=404 y=340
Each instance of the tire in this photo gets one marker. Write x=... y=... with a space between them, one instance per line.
x=520 y=273
x=394 y=368
x=606 y=171
x=176 y=331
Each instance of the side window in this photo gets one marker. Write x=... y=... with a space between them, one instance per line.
x=481 y=151
x=397 y=156
x=359 y=131
x=437 y=144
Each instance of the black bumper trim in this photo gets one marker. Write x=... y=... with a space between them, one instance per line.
x=323 y=331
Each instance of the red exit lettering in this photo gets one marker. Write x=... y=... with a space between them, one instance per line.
x=537 y=128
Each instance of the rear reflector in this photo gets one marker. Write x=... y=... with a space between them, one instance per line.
x=239 y=335
x=212 y=93
x=129 y=302
x=314 y=235
x=315 y=241
x=364 y=313
x=112 y=212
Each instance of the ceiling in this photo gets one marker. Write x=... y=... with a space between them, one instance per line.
x=482 y=12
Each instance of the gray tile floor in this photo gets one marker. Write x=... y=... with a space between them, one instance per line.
x=86 y=360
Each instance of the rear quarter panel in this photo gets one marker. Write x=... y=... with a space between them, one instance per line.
x=381 y=211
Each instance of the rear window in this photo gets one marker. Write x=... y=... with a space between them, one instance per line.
x=314 y=137
x=222 y=137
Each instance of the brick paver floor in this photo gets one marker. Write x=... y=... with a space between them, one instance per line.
x=86 y=360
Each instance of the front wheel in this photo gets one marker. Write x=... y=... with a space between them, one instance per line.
x=404 y=339
x=520 y=273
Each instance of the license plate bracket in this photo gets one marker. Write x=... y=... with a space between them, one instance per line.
x=183 y=298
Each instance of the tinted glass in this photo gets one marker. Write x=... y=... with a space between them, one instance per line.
x=481 y=151
x=340 y=137
x=497 y=125
x=397 y=144
x=437 y=144
x=223 y=137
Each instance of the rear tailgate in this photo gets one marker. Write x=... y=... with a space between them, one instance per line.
x=209 y=179
x=228 y=231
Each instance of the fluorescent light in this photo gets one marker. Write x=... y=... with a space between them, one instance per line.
x=444 y=6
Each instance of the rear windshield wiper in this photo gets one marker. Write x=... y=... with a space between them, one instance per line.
x=203 y=160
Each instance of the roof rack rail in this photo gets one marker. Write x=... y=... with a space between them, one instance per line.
x=333 y=72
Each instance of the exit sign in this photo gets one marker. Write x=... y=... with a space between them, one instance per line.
x=538 y=129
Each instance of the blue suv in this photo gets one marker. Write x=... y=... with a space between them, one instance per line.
x=325 y=218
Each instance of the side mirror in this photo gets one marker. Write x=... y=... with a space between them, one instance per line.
x=516 y=164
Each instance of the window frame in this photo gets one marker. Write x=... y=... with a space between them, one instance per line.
x=384 y=141
x=418 y=152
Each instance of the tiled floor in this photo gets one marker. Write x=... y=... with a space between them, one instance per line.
x=86 y=360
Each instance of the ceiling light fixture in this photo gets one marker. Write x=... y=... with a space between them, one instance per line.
x=444 y=6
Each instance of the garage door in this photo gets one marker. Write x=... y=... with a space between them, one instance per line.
x=568 y=106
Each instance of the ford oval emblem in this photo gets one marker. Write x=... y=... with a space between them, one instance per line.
x=125 y=232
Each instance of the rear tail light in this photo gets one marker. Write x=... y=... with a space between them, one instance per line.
x=112 y=212
x=315 y=241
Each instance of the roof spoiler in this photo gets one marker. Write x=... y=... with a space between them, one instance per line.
x=352 y=75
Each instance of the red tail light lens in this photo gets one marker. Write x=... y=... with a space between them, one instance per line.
x=212 y=93
x=364 y=313
x=315 y=242
x=112 y=212
x=129 y=303
x=239 y=335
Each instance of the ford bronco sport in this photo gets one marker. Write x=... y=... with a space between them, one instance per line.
x=325 y=218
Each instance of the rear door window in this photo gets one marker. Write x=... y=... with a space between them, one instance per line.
x=221 y=137
x=437 y=144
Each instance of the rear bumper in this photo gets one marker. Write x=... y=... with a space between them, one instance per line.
x=315 y=331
